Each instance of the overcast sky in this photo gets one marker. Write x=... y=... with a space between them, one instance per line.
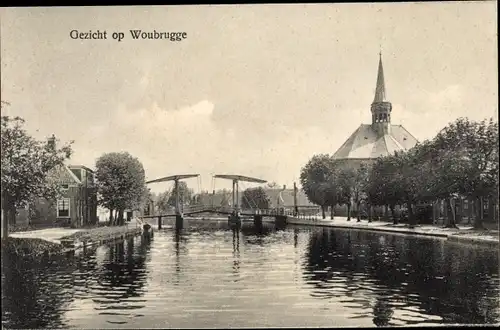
x=253 y=89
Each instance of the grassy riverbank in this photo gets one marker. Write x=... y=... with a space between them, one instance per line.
x=49 y=241
x=30 y=247
x=99 y=233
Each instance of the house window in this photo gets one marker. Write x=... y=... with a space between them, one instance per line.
x=65 y=187
x=63 y=208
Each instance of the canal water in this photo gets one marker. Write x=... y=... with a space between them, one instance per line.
x=209 y=275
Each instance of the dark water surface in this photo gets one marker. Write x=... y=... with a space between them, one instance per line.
x=209 y=275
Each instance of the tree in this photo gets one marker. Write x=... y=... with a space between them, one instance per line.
x=26 y=165
x=345 y=179
x=185 y=195
x=444 y=172
x=407 y=178
x=120 y=183
x=382 y=187
x=148 y=204
x=162 y=202
x=255 y=198
x=315 y=178
x=397 y=179
x=376 y=188
x=331 y=189
x=359 y=181
x=469 y=150
x=147 y=197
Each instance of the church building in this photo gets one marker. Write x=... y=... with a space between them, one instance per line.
x=381 y=137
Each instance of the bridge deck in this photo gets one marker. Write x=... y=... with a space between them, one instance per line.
x=197 y=209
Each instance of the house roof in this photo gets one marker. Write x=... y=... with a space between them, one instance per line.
x=366 y=143
x=63 y=175
x=81 y=166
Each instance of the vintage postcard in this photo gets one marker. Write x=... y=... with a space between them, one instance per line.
x=250 y=166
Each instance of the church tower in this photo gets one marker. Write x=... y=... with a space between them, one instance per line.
x=381 y=108
x=378 y=139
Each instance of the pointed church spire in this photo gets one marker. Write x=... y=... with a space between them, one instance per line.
x=381 y=109
x=380 y=89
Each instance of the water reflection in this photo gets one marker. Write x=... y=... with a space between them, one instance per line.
x=382 y=312
x=37 y=296
x=123 y=274
x=180 y=238
x=256 y=234
x=214 y=275
x=295 y=237
x=405 y=274
x=33 y=297
x=236 y=241
x=236 y=251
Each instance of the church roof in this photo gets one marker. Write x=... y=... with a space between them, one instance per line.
x=366 y=143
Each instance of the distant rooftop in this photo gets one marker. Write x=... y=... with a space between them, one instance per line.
x=81 y=166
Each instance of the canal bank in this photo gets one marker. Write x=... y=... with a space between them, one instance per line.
x=57 y=241
x=461 y=235
x=98 y=236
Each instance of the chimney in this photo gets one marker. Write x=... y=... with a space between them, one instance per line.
x=284 y=187
x=51 y=142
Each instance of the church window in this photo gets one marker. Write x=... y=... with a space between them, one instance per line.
x=385 y=117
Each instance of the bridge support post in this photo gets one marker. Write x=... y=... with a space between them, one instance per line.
x=234 y=219
x=280 y=221
x=257 y=220
x=159 y=222
x=179 y=221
